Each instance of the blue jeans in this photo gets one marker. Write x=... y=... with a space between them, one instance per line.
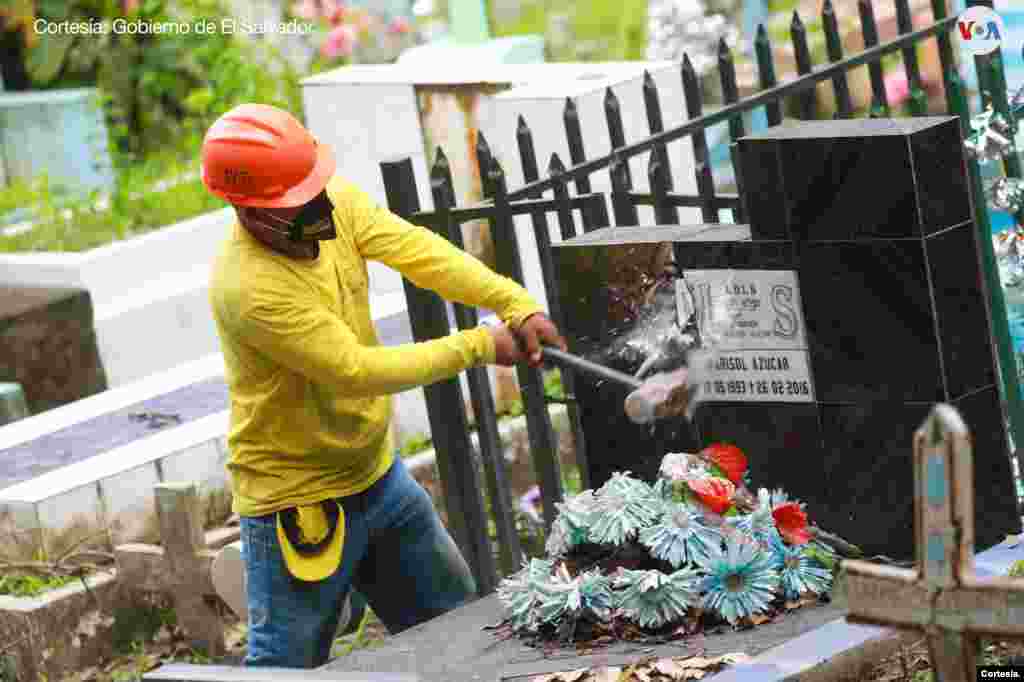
x=397 y=554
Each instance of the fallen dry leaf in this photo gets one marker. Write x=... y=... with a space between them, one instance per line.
x=570 y=676
x=606 y=675
x=669 y=668
x=642 y=674
x=89 y=674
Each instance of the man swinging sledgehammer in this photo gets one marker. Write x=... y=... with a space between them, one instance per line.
x=325 y=506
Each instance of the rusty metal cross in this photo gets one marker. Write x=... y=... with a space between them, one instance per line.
x=942 y=597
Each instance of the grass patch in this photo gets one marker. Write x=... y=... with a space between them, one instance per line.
x=140 y=623
x=161 y=190
x=602 y=30
x=19 y=585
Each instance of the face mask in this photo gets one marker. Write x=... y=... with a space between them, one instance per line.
x=315 y=222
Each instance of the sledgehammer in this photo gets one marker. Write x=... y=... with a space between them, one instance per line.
x=666 y=394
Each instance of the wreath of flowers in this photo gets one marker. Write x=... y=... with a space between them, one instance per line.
x=695 y=549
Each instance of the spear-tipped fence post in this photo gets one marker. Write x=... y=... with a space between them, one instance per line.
x=834 y=46
x=543 y=443
x=531 y=172
x=449 y=427
x=701 y=156
x=808 y=99
x=730 y=89
x=879 y=100
x=766 y=73
x=652 y=105
x=616 y=131
x=592 y=219
x=492 y=452
x=918 y=103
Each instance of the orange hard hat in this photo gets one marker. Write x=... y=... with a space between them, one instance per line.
x=261 y=156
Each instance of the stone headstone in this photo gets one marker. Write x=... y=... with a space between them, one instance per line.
x=48 y=345
x=854 y=306
x=58 y=132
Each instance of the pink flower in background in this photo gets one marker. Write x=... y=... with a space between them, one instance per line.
x=341 y=41
x=897 y=88
x=399 y=26
x=130 y=6
x=334 y=11
x=307 y=9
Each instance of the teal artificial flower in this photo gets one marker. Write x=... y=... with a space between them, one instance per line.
x=759 y=524
x=679 y=537
x=571 y=526
x=522 y=592
x=799 y=573
x=622 y=508
x=653 y=599
x=588 y=594
x=741 y=580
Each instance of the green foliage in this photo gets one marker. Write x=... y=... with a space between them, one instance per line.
x=77 y=225
x=418 y=443
x=1017 y=569
x=618 y=28
x=157 y=86
x=18 y=585
x=8 y=673
x=553 y=385
x=136 y=624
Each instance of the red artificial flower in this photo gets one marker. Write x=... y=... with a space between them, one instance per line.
x=716 y=493
x=729 y=458
x=791 y=521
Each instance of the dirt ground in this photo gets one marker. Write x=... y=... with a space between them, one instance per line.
x=160 y=642
x=910 y=664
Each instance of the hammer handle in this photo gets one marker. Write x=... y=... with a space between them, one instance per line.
x=595 y=370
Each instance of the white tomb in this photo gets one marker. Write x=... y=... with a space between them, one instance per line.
x=345 y=107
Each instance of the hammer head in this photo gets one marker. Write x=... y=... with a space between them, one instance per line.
x=670 y=394
x=667 y=394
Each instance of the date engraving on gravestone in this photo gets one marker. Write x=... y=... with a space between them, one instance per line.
x=754 y=341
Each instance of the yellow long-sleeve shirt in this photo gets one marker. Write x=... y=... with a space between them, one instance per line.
x=309 y=382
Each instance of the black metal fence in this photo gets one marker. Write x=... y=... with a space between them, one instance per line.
x=540 y=197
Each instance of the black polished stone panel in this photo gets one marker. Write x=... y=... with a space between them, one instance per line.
x=870 y=325
x=614 y=443
x=782 y=443
x=746 y=255
x=870 y=485
x=761 y=169
x=941 y=173
x=588 y=269
x=995 y=499
x=956 y=280
x=853 y=188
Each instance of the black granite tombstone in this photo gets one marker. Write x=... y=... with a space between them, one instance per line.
x=852 y=305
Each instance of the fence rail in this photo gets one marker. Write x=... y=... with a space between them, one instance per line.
x=463 y=497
